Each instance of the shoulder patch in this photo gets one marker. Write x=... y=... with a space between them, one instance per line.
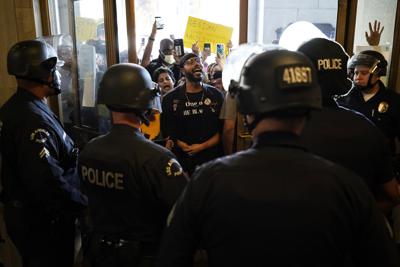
x=44 y=153
x=173 y=168
x=39 y=135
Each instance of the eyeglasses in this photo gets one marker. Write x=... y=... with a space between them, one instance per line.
x=193 y=60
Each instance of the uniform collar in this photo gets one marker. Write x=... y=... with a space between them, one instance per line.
x=126 y=129
x=329 y=102
x=359 y=94
x=28 y=96
x=278 y=138
x=381 y=89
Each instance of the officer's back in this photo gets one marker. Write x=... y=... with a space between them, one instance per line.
x=341 y=135
x=277 y=204
x=131 y=182
x=119 y=170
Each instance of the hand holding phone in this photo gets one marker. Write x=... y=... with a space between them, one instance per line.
x=207 y=49
x=220 y=50
x=179 y=48
x=159 y=23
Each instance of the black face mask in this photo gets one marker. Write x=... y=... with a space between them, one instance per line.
x=55 y=81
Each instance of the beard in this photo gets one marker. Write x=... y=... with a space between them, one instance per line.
x=191 y=78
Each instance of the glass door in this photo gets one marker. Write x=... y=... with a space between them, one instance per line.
x=377 y=13
x=92 y=61
x=62 y=42
x=268 y=20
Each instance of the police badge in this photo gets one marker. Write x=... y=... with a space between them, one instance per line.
x=383 y=107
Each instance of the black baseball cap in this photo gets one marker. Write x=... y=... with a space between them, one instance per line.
x=186 y=57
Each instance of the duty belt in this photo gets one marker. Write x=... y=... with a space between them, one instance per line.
x=117 y=242
x=15 y=204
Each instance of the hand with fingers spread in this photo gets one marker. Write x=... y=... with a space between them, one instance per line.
x=374 y=33
x=196 y=48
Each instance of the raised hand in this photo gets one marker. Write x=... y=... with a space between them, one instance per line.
x=374 y=36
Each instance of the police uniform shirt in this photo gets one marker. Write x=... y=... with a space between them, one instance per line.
x=276 y=205
x=383 y=109
x=193 y=118
x=131 y=184
x=39 y=159
x=349 y=139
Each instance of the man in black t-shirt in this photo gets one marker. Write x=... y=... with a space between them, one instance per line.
x=191 y=117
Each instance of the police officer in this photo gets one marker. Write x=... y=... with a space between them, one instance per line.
x=369 y=95
x=276 y=204
x=40 y=183
x=131 y=182
x=342 y=135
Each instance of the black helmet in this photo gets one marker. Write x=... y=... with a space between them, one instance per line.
x=278 y=81
x=34 y=60
x=127 y=87
x=330 y=60
x=371 y=59
x=382 y=65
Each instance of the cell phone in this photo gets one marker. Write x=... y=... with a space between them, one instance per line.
x=159 y=23
x=220 y=50
x=179 y=48
x=207 y=47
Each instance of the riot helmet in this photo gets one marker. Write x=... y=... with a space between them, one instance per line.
x=127 y=87
x=34 y=60
x=330 y=61
x=277 y=82
x=373 y=60
x=382 y=64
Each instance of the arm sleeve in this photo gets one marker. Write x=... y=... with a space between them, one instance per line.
x=180 y=239
x=373 y=244
x=51 y=183
x=167 y=177
x=385 y=170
